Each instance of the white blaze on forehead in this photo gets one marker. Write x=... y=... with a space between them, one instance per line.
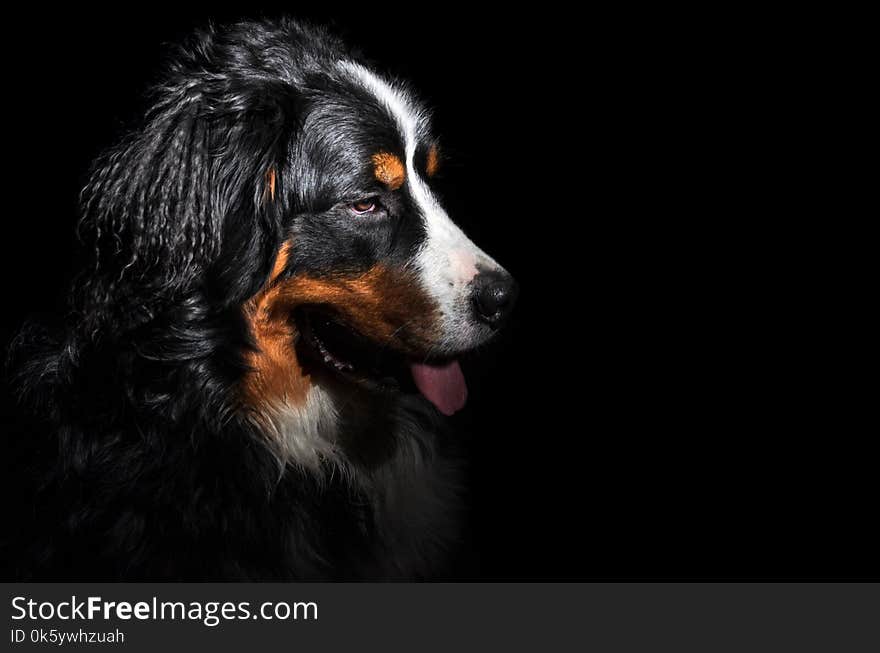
x=447 y=259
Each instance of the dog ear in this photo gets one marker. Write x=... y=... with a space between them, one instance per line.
x=192 y=201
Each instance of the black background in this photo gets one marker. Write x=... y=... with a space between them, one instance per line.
x=652 y=412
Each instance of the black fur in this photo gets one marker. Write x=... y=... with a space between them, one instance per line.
x=142 y=465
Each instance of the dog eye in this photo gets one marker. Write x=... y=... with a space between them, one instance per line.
x=364 y=206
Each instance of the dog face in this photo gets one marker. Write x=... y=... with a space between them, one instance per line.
x=373 y=282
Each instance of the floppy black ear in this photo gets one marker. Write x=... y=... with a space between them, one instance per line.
x=191 y=202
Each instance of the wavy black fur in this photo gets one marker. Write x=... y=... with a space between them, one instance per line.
x=139 y=463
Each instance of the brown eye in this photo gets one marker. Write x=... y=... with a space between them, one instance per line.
x=364 y=206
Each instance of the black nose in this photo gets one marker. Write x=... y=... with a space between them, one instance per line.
x=494 y=296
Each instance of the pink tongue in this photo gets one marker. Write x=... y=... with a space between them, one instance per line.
x=442 y=385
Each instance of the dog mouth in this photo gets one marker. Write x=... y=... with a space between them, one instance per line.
x=337 y=347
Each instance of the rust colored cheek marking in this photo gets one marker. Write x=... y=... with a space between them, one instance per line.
x=385 y=304
x=389 y=169
x=275 y=376
x=281 y=260
x=433 y=161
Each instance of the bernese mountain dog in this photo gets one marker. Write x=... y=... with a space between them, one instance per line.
x=263 y=341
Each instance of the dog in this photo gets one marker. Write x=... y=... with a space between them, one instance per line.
x=263 y=342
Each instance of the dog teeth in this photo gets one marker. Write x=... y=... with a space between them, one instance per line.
x=330 y=359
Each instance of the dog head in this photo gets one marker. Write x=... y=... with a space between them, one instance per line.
x=280 y=177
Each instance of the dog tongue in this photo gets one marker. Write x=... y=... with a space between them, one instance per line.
x=442 y=385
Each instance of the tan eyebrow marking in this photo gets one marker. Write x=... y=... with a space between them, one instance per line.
x=389 y=169
x=433 y=161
